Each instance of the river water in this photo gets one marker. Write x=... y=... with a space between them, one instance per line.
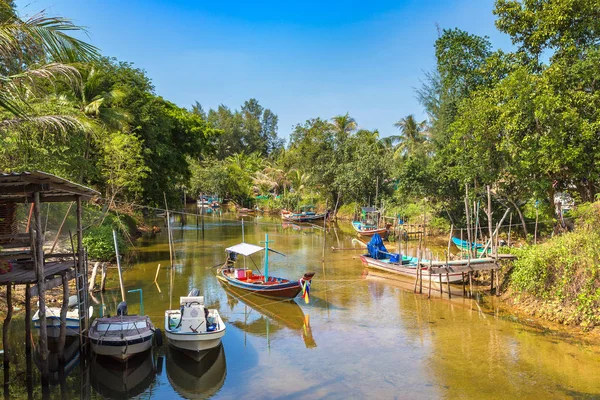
x=361 y=336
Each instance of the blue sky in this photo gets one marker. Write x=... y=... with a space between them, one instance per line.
x=300 y=59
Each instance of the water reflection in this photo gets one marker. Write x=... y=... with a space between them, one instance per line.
x=58 y=370
x=196 y=379
x=284 y=313
x=122 y=380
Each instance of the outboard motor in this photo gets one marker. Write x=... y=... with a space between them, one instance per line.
x=122 y=308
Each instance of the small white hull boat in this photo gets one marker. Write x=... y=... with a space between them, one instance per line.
x=193 y=327
x=121 y=336
x=53 y=319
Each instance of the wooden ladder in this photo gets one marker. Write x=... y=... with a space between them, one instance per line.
x=83 y=306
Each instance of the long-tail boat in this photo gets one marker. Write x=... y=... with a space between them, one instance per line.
x=305 y=214
x=262 y=283
x=379 y=258
x=369 y=223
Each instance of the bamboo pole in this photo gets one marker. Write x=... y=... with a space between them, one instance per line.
x=489 y=211
x=469 y=242
x=60 y=228
x=509 y=226
x=536 y=224
x=202 y=211
x=450 y=239
x=29 y=218
x=168 y=230
x=119 y=265
x=157 y=271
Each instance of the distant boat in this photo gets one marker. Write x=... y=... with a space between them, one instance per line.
x=369 y=223
x=305 y=214
x=193 y=327
x=53 y=319
x=122 y=336
x=261 y=284
x=379 y=258
x=464 y=245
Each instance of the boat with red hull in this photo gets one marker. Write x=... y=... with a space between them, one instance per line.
x=262 y=283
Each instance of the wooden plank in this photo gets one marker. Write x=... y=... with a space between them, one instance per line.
x=52 y=283
x=454 y=269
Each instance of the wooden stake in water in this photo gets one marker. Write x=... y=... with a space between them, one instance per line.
x=119 y=265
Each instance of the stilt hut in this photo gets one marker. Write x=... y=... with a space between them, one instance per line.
x=24 y=259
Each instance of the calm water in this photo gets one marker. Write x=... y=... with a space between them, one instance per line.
x=360 y=336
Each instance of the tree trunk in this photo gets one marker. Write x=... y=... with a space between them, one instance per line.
x=520 y=216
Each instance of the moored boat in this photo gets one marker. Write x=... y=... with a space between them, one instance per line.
x=121 y=336
x=193 y=327
x=379 y=258
x=369 y=223
x=306 y=214
x=463 y=245
x=53 y=319
x=261 y=284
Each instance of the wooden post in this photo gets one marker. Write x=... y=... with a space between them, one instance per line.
x=418 y=267
x=63 y=319
x=103 y=280
x=60 y=228
x=119 y=265
x=469 y=242
x=450 y=240
x=157 y=271
x=5 y=327
x=93 y=278
x=325 y=229
x=448 y=282
x=489 y=211
x=27 y=320
x=29 y=218
x=201 y=196
x=509 y=228
x=492 y=282
x=168 y=229
x=430 y=278
x=536 y=223
x=39 y=268
x=440 y=282
x=464 y=284
x=470 y=283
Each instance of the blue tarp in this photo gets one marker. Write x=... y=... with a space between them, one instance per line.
x=376 y=247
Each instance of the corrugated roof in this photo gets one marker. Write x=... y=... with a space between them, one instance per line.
x=20 y=186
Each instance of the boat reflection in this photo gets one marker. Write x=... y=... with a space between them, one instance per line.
x=122 y=380
x=284 y=313
x=58 y=370
x=195 y=379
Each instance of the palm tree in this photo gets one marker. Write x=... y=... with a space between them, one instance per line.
x=34 y=52
x=412 y=138
x=343 y=126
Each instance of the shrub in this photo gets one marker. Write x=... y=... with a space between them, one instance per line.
x=99 y=243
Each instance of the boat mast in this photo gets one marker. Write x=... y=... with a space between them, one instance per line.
x=266 y=242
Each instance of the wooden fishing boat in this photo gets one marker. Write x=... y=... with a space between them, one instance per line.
x=53 y=319
x=369 y=223
x=367 y=230
x=261 y=284
x=122 y=336
x=193 y=327
x=379 y=258
x=463 y=245
x=306 y=214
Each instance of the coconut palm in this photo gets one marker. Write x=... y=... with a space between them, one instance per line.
x=413 y=136
x=33 y=52
x=343 y=126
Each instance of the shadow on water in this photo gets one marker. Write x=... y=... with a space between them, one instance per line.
x=122 y=380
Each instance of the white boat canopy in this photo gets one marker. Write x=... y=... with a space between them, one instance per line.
x=244 y=249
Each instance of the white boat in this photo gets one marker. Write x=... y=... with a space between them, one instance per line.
x=193 y=327
x=122 y=336
x=53 y=319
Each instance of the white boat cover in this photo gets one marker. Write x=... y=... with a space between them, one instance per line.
x=244 y=249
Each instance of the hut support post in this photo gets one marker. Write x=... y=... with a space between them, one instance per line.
x=5 y=327
x=93 y=279
x=27 y=320
x=63 y=318
x=39 y=268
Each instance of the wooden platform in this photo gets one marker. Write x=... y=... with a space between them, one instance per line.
x=21 y=275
